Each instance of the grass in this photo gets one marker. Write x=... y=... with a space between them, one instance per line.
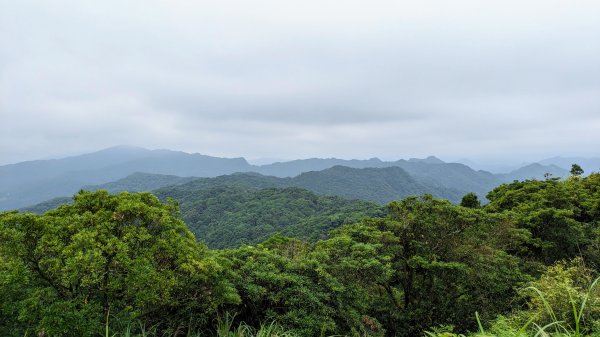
x=224 y=327
x=556 y=328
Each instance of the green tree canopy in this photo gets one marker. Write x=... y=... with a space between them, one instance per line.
x=127 y=254
x=561 y=216
x=576 y=170
x=470 y=200
x=423 y=264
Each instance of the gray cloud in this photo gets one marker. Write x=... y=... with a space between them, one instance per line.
x=393 y=79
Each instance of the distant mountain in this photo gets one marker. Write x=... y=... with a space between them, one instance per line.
x=47 y=205
x=296 y=167
x=381 y=185
x=180 y=187
x=589 y=165
x=428 y=160
x=492 y=167
x=432 y=173
x=29 y=182
x=535 y=171
x=451 y=176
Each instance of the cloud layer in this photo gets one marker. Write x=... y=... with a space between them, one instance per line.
x=510 y=80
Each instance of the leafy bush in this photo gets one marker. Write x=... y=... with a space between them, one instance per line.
x=564 y=301
x=128 y=255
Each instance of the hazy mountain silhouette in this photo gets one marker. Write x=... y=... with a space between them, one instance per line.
x=589 y=165
x=535 y=171
x=31 y=182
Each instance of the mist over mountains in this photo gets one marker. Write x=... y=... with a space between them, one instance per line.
x=123 y=168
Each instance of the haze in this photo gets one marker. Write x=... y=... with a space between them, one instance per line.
x=486 y=80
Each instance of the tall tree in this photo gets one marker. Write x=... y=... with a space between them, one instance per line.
x=470 y=200
x=576 y=170
x=128 y=255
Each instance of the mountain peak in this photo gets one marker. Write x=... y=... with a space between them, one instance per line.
x=428 y=160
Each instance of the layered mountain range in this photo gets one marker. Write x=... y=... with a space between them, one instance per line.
x=137 y=169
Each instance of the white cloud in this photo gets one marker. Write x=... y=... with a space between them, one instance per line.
x=504 y=79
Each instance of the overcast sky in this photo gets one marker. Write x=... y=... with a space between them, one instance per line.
x=485 y=80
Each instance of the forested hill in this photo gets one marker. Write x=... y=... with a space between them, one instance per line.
x=380 y=185
x=232 y=210
x=376 y=184
x=246 y=208
x=140 y=182
x=448 y=181
x=232 y=215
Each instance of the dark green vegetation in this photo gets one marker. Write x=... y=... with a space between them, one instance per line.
x=381 y=185
x=230 y=216
x=140 y=182
x=247 y=208
x=525 y=262
x=24 y=184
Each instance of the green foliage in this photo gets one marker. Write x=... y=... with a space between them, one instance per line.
x=565 y=293
x=380 y=185
x=128 y=255
x=564 y=301
x=470 y=200
x=306 y=290
x=230 y=216
x=225 y=328
x=562 y=216
x=576 y=170
x=140 y=182
x=279 y=285
x=127 y=262
x=438 y=255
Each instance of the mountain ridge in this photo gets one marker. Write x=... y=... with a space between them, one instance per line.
x=30 y=182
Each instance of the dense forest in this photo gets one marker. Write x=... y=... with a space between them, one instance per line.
x=522 y=264
x=229 y=216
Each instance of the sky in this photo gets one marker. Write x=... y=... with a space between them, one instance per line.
x=492 y=81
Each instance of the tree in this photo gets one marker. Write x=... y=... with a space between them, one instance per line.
x=128 y=255
x=470 y=200
x=277 y=282
x=424 y=264
x=560 y=216
x=576 y=170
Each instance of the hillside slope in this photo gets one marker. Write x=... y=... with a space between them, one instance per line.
x=30 y=182
x=233 y=215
